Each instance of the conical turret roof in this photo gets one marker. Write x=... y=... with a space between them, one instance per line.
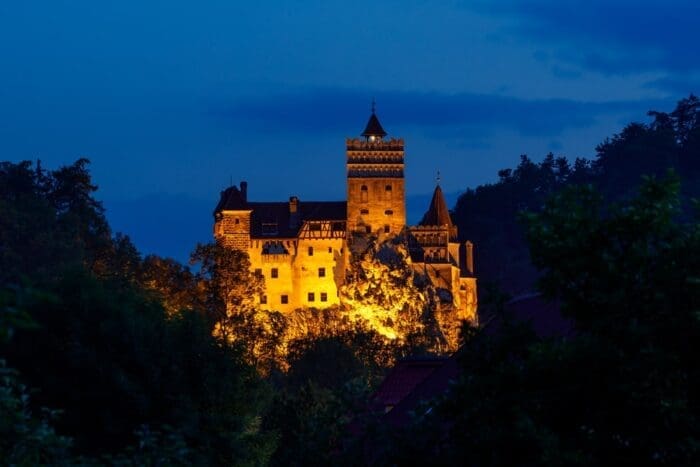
x=374 y=128
x=437 y=214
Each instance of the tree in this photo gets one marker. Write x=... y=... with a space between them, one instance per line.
x=623 y=390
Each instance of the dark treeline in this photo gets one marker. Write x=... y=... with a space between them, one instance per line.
x=110 y=358
x=488 y=215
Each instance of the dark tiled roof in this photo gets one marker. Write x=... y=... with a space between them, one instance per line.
x=437 y=213
x=231 y=200
x=272 y=220
x=412 y=381
x=374 y=128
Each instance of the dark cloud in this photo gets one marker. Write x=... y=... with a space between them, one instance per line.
x=678 y=86
x=337 y=110
x=612 y=36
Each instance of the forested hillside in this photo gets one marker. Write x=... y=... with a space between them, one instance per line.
x=489 y=214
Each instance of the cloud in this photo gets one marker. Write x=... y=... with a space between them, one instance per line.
x=335 y=110
x=678 y=86
x=611 y=36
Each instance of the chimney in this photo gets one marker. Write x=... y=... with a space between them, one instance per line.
x=470 y=257
x=293 y=212
x=244 y=191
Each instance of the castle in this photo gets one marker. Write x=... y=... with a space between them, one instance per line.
x=302 y=248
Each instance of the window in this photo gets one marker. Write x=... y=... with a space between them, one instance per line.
x=364 y=211
x=284 y=299
x=364 y=194
x=274 y=273
x=311 y=251
x=311 y=297
x=324 y=297
x=389 y=212
x=330 y=249
x=263 y=299
x=368 y=229
x=238 y=221
x=387 y=192
x=387 y=229
x=321 y=272
x=258 y=272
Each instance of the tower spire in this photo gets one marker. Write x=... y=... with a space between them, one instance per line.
x=373 y=130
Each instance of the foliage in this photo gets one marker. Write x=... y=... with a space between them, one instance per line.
x=623 y=390
x=133 y=383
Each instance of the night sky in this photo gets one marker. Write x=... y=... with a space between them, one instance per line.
x=171 y=100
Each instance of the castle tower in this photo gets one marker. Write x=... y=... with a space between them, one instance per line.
x=376 y=191
x=232 y=218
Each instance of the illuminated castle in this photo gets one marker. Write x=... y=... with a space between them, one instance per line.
x=301 y=248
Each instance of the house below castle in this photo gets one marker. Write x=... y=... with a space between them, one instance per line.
x=301 y=248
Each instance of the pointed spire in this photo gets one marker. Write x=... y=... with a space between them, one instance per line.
x=437 y=214
x=374 y=128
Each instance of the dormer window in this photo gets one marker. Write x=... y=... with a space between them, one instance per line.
x=269 y=228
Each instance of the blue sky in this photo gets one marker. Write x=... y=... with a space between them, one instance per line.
x=171 y=100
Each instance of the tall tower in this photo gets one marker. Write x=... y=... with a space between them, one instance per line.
x=376 y=194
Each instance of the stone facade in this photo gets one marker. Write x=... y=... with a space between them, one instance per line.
x=301 y=248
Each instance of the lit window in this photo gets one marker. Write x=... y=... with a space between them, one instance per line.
x=311 y=297
x=324 y=297
x=274 y=273
x=321 y=272
x=284 y=299
x=311 y=251
x=263 y=299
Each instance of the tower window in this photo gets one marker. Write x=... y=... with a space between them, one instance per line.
x=238 y=221
x=368 y=229
x=284 y=299
x=364 y=194
x=321 y=272
x=387 y=229
x=364 y=211
x=387 y=192
x=324 y=297
x=311 y=297
x=274 y=273
x=311 y=251
x=330 y=249
x=389 y=212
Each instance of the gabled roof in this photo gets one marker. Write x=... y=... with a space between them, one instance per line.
x=374 y=128
x=437 y=214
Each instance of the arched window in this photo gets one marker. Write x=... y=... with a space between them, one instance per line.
x=364 y=194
